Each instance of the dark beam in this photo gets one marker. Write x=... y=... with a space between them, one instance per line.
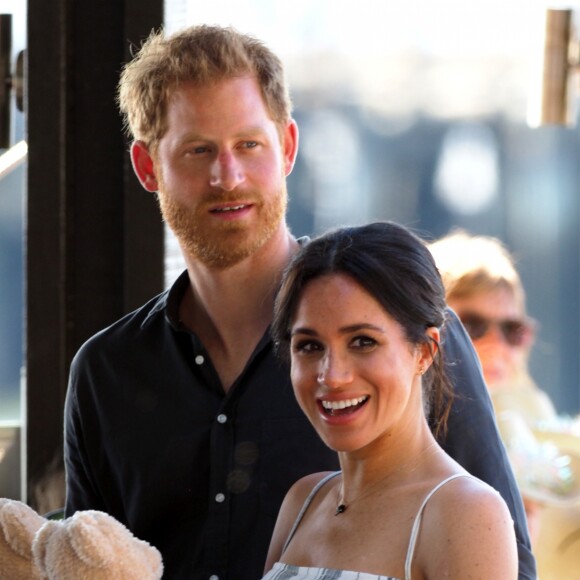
x=94 y=239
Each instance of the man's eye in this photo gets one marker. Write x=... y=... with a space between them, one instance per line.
x=196 y=150
x=250 y=144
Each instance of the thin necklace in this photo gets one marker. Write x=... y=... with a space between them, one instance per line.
x=342 y=505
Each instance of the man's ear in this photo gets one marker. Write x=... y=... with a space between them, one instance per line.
x=143 y=166
x=290 y=146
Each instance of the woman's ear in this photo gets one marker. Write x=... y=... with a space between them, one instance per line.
x=429 y=349
x=144 y=166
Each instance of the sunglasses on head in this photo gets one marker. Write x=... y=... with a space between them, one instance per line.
x=514 y=331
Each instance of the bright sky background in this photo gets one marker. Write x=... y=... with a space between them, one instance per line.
x=439 y=27
x=445 y=58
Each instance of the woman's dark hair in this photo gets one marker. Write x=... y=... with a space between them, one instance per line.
x=397 y=269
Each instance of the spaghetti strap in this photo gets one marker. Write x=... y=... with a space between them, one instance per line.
x=417 y=522
x=306 y=505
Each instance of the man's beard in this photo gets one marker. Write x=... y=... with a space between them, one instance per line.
x=222 y=244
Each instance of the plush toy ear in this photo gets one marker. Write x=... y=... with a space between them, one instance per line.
x=153 y=559
x=93 y=536
x=100 y=541
x=40 y=545
x=19 y=523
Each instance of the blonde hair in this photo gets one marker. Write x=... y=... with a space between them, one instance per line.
x=471 y=265
x=200 y=55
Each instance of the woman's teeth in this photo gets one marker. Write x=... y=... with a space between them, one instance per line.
x=348 y=404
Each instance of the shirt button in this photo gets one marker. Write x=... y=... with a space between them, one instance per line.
x=220 y=497
x=222 y=418
x=199 y=359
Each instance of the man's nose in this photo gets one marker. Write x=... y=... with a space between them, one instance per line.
x=226 y=172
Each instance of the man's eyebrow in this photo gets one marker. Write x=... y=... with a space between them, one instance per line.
x=242 y=134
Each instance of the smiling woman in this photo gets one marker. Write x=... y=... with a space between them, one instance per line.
x=355 y=373
x=359 y=315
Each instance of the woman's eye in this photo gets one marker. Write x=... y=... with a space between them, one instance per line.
x=363 y=342
x=306 y=346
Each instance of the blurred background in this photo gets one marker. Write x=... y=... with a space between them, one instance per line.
x=417 y=112
x=413 y=111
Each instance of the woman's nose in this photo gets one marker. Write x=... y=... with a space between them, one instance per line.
x=335 y=372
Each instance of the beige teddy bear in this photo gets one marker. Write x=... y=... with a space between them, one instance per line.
x=90 y=545
x=18 y=526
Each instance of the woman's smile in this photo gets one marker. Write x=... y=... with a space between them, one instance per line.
x=354 y=371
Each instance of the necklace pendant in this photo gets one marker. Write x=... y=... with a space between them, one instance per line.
x=340 y=508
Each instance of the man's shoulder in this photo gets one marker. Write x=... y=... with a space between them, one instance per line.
x=143 y=321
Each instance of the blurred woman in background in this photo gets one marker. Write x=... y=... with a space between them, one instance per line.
x=484 y=288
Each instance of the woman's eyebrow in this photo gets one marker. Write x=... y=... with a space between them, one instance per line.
x=344 y=329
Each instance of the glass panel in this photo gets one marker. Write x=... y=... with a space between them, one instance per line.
x=426 y=125
x=12 y=195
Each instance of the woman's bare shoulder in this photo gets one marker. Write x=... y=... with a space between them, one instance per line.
x=467 y=532
x=291 y=506
x=307 y=483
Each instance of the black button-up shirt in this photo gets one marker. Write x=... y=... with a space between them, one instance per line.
x=152 y=439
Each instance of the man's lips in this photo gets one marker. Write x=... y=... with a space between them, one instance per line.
x=230 y=208
x=231 y=211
